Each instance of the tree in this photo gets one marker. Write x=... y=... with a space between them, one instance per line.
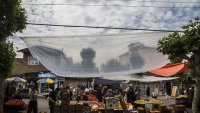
x=113 y=65
x=185 y=46
x=88 y=56
x=12 y=20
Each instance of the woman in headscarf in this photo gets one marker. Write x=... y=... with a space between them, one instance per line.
x=131 y=96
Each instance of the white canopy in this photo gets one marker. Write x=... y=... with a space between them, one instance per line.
x=15 y=79
x=139 y=78
x=98 y=55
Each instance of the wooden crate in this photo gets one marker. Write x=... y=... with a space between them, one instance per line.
x=57 y=107
x=64 y=107
x=93 y=111
x=67 y=101
x=64 y=111
x=65 y=96
x=180 y=108
x=78 y=107
x=81 y=111
x=57 y=112
x=72 y=107
x=181 y=101
x=162 y=108
x=71 y=111
x=87 y=108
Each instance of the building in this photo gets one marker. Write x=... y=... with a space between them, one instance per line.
x=30 y=69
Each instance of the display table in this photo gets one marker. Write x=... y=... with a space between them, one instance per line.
x=141 y=103
x=181 y=100
x=13 y=108
x=155 y=103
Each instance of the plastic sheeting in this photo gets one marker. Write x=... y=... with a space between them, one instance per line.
x=114 y=83
x=98 y=55
x=139 y=78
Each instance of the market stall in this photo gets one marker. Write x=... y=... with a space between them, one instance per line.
x=157 y=106
x=110 y=105
x=14 y=106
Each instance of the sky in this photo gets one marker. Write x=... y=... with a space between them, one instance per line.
x=138 y=14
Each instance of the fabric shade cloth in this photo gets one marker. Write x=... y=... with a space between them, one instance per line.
x=16 y=79
x=98 y=55
x=140 y=78
x=46 y=80
x=170 y=70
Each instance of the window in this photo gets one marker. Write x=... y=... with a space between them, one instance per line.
x=32 y=61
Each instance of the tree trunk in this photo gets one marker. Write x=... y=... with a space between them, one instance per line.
x=197 y=85
x=2 y=80
x=196 y=97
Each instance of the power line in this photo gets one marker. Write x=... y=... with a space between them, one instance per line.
x=119 y=28
x=152 y=1
x=93 y=5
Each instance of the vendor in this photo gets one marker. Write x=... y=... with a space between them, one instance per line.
x=109 y=93
x=85 y=95
x=17 y=95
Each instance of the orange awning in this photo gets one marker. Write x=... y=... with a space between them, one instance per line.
x=170 y=70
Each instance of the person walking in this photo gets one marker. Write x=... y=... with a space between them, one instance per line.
x=32 y=106
x=52 y=99
x=131 y=97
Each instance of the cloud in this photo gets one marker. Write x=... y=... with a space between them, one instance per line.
x=127 y=14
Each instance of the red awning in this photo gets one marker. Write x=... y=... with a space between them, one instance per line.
x=170 y=70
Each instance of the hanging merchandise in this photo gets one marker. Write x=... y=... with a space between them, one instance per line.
x=99 y=55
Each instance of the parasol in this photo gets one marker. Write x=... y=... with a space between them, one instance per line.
x=46 y=80
x=16 y=79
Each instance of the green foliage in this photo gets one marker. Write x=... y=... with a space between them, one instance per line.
x=12 y=18
x=7 y=57
x=179 y=80
x=173 y=46
x=192 y=36
x=180 y=46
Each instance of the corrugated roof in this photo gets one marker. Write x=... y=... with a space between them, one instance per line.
x=20 y=67
x=25 y=50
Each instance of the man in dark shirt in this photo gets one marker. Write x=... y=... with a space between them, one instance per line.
x=99 y=93
x=52 y=99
